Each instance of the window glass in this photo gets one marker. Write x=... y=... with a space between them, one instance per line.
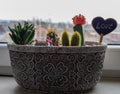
x=58 y=14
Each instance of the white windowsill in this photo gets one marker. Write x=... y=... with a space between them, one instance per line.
x=111 y=64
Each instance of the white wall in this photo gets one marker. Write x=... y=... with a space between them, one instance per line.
x=4 y=55
x=112 y=58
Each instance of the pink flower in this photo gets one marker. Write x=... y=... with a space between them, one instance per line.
x=48 y=40
x=79 y=19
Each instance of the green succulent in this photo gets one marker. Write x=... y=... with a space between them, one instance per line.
x=22 y=34
x=52 y=36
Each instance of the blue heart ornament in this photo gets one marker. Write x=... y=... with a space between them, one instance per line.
x=102 y=26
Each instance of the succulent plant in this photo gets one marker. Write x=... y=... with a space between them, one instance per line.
x=52 y=35
x=75 y=39
x=65 y=38
x=22 y=34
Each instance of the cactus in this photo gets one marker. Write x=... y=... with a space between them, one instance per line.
x=22 y=35
x=79 y=20
x=78 y=28
x=65 y=38
x=75 y=39
x=52 y=36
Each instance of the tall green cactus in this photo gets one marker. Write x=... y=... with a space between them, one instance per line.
x=65 y=38
x=79 y=29
x=76 y=39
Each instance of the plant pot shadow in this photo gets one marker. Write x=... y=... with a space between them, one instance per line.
x=20 y=90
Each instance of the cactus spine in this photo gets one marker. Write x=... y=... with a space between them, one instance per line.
x=65 y=38
x=78 y=28
x=76 y=39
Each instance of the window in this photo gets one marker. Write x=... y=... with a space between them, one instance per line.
x=58 y=14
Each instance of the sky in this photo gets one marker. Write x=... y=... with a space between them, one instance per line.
x=58 y=10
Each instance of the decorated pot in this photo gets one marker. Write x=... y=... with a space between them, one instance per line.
x=57 y=68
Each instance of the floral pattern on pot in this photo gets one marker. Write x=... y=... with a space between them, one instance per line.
x=57 y=71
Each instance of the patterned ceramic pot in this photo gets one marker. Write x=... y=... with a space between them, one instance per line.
x=57 y=68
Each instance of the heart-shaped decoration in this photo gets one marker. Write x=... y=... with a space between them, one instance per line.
x=104 y=26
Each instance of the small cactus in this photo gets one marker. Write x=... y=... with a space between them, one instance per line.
x=65 y=39
x=75 y=39
x=52 y=35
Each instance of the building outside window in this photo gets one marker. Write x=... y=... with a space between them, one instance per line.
x=58 y=14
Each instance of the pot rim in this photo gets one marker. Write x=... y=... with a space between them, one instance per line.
x=56 y=49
